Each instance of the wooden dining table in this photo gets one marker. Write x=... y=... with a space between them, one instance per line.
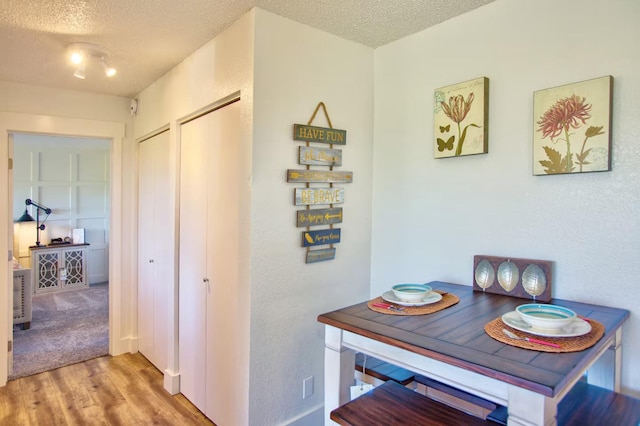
x=451 y=346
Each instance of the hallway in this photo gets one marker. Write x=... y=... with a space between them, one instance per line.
x=122 y=390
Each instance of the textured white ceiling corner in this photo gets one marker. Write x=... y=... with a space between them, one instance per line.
x=145 y=39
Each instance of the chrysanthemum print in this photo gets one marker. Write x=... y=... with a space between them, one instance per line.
x=572 y=128
x=460 y=112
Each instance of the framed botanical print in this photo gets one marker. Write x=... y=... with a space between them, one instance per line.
x=461 y=119
x=572 y=128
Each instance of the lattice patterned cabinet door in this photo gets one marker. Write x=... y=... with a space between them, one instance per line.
x=74 y=268
x=47 y=271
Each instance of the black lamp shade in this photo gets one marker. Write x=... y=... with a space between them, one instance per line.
x=26 y=217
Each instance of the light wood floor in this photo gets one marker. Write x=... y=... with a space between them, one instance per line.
x=122 y=390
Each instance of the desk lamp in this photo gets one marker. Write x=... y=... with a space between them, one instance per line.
x=26 y=217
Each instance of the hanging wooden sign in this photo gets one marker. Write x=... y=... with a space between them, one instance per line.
x=312 y=196
x=319 y=176
x=318 y=238
x=306 y=133
x=314 y=256
x=319 y=217
x=309 y=196
x=319 y=156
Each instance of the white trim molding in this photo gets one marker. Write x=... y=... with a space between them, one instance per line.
x=119 y=323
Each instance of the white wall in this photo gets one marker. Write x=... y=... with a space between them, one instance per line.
x=430 y=217
x=30 y=99
x=71 y=177
x=296 y=67
x=218 y=69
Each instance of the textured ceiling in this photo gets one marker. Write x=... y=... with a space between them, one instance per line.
x=146 y=38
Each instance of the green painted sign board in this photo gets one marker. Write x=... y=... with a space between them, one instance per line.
x=314 y=256
x=319 y=176
x=321 y=237
x=305 y=133
x=318 y=217
x=312 y=196
x=312 y=156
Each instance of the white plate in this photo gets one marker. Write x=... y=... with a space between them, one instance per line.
x=431 y=297
x=577 y=327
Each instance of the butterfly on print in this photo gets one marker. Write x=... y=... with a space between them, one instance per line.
x=442 y=145
x=444 y=129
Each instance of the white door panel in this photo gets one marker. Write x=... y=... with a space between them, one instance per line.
x=155 y=281
x=193 y=254
x=209 y=210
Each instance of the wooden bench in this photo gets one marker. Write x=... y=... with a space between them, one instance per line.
x=393 y=404
x=376 y=372
x=591 y=405
x=460 y=400
x=584 y=405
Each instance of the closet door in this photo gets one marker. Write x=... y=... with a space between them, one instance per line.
x=224 y=330
x=210 y=331
x=154 y=249
x=194 y=178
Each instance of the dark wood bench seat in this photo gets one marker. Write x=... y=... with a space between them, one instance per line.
x=584 y=405
x=591 y=405
x=382 y=370
x=461 y=400
x=393 y=404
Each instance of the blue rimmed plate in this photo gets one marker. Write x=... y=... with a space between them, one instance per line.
x=431 y=297
x=577 y=327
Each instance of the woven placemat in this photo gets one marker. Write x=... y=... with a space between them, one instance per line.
x=448 y=299
x=567 y=344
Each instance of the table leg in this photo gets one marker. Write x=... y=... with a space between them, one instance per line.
x=339 y=366
x=527 y=408
x=605 y=372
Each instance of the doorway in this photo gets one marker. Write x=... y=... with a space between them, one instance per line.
x=65 y=181
x=120 y=339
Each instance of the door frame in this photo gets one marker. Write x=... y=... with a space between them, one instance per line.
x=31 y=123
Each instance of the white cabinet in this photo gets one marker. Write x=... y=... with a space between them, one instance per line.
x=213 y=327
x=155 y=242
x=60 y=267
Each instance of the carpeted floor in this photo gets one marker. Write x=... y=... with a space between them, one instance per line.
x=67 y=327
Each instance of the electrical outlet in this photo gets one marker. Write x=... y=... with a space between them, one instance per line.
x=307 y=387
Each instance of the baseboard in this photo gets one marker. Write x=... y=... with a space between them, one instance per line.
x=123 y=345
x=310 y=418
x=134 y=345
x=171 y=382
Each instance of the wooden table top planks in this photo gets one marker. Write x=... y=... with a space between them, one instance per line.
x=456 y=336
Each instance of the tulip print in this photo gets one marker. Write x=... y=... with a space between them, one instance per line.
x=457 y=110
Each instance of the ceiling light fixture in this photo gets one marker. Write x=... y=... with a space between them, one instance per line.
x=76 y=57
x=81 y=53
x=79 y=72
x=109 y=71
